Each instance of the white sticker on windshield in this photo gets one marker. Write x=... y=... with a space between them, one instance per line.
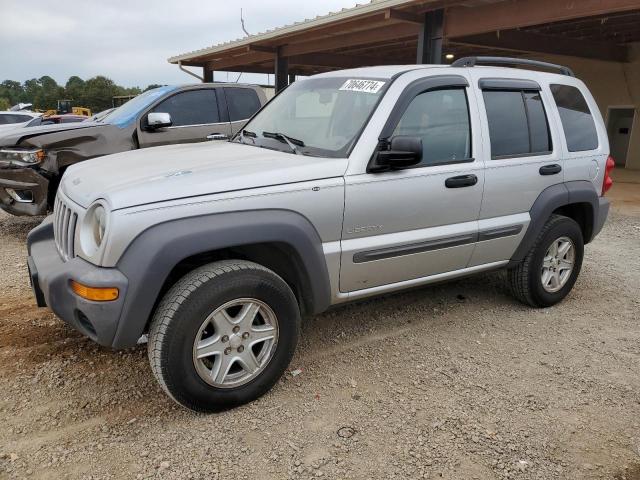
x=366 y=86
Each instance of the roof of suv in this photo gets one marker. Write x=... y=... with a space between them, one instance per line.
x=483 y=63
x=20 y=112
x=386 y=71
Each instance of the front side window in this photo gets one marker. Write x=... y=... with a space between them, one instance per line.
x=35 y=122
x=441 y=119
x=320 y=116
x=577 y=121
x=193 y=107
x=517 y=123
x=242 y=103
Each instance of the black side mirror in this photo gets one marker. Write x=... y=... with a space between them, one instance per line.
x=404 y=151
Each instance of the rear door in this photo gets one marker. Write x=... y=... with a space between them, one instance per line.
x=195 y=114
x=242 y=103
x=523 y=158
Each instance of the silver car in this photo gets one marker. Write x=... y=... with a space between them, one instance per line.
x=346 y=185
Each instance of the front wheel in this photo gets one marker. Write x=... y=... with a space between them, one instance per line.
x=223 y=335
x=551 y=267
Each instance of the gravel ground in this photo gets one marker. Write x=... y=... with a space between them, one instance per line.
x=452 y=381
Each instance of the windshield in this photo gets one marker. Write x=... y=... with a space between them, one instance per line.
x=316 y=116
x=127 y=112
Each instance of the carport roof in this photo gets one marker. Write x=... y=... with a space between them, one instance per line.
x=306 y=24
x=384 y=32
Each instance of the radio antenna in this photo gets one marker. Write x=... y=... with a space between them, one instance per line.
x=242 y=23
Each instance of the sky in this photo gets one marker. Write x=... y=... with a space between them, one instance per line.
x=129 y=41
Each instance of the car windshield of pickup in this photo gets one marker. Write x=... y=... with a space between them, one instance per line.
x=128 y=112
x=317 y=116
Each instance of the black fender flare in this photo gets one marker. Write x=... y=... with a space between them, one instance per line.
x=549 y=200
x=151 y=256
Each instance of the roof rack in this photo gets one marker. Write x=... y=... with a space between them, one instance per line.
x=473 y=61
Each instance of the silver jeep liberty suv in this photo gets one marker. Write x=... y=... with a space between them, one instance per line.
x=346 y=185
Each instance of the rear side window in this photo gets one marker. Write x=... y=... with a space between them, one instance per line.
x=577 y=121
x=441 y=119
x=193 y=107
x=518 y=124
x=12 y=118
x=242 y=103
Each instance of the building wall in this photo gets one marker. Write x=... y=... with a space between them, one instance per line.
x=612 y=84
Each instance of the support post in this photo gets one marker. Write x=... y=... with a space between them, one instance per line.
x=281 y=71
x=430 y=38
x=292 y=78
x=207 y=75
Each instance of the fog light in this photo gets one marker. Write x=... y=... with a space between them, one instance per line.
x=105 y=294
x=20 y=196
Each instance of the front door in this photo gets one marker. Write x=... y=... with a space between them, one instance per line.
x=195 y=114
x=408 y=224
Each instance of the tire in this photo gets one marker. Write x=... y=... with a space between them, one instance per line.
x=527 y=278
x=235 y=289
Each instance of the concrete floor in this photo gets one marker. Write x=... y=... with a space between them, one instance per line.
x=625 y=193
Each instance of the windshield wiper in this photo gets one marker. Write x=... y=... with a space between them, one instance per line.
x=292 y=142
x=247 y=133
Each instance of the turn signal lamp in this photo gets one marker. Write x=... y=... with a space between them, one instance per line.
x=95 y=294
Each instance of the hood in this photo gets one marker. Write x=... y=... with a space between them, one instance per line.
x=177 y=171
x=17 y=135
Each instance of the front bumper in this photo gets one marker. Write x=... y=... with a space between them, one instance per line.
x=23 y=191
x=51 y=277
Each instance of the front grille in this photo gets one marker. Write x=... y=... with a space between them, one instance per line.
x=64 y=228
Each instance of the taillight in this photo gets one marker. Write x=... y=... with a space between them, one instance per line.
x=607 y=183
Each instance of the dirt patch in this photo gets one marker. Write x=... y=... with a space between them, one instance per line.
x=451 y=381
x=628 y=473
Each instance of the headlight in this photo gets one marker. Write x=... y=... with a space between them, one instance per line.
x=94 y=228
x=99 y=224
x=21 y=157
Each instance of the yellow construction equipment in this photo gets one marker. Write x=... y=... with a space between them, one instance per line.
x=64 y=106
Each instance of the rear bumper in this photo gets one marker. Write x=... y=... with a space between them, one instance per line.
x=600 y=216
x=23 y=191
x=51 y=277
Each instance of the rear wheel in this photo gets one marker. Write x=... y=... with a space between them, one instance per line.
x=551 y=267
x=223 y=335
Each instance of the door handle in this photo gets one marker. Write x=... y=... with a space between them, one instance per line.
x=550 y=169
x=461 y=181
x=217 y=136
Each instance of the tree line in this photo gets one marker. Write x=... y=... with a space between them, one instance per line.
x=44 y=92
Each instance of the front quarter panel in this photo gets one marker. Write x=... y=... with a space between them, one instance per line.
x=151 y=257
x=320 y=201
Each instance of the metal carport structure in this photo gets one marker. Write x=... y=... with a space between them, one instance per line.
x=600 y=39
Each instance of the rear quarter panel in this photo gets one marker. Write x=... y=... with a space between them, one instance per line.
x=585 y=165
